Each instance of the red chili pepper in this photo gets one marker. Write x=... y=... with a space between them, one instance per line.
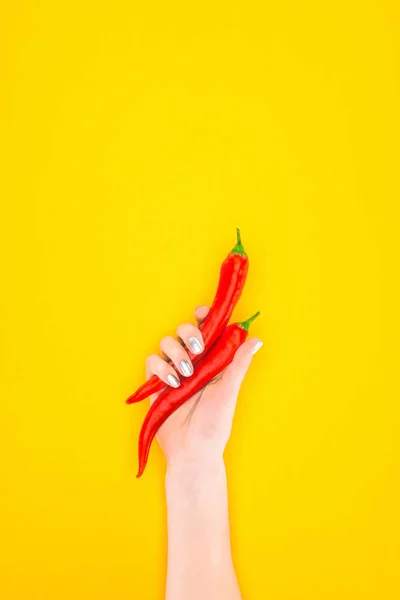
x=220 y=355
x=231 y=282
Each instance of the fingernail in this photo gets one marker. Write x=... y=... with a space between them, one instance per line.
x=186 y=368
x=173 y=381
x=257 y=347
x=195 y=345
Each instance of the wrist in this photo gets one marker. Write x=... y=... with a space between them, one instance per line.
x=195 y=474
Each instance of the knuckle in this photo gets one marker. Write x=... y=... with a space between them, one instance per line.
x=150 y=358
x=186 y=330
x=183 y=327
x=165 y=341
x=178 y=352
x=162 y=367
x=197 y=333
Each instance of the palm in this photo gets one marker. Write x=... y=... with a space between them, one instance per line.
x=203 y=421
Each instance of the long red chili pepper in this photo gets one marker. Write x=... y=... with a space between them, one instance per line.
x=231 y=282
x=220 y=355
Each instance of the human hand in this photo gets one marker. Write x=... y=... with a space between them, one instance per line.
x=196 y=434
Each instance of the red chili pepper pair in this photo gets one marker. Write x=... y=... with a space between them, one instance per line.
x=231 y=282
x=220 y=345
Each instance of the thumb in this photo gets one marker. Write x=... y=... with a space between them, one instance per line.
x=237 y=369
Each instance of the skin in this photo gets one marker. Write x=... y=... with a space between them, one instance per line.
x=193 y=440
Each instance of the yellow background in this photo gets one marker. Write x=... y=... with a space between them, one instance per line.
x=134 y=140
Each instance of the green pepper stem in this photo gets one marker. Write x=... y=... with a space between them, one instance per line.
x=238 y=249
x=246 y=324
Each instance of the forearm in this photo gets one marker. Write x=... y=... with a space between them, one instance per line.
x=199 y=554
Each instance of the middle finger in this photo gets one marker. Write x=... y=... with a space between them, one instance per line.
x=176 y=352
x=191 y=337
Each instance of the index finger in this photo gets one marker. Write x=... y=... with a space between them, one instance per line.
x=201 y=312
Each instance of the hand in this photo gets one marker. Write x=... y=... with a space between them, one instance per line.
x=197 y=433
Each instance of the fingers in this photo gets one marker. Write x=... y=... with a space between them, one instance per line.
x=191 y=337
x=177 y=353
x=155 y=365
x=201 y=312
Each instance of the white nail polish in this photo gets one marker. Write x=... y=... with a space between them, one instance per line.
x=257 y=347
x=174 y=382
x=195 y=345
x=186 y=368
